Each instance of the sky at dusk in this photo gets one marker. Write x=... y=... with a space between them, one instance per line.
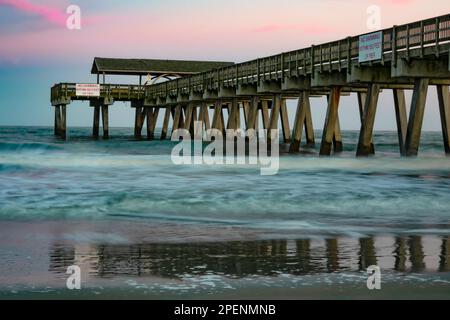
x=37 y=50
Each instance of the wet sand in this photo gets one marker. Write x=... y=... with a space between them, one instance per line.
x=127 y=259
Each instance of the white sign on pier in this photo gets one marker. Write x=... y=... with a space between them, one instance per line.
x=371 y=47
x=88 y=90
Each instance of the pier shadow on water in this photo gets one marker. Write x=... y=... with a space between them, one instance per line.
x=241 y=259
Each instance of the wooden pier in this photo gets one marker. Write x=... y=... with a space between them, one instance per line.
x=408 y=57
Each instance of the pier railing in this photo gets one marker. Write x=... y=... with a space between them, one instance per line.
x=117 y=92
x=411 y=39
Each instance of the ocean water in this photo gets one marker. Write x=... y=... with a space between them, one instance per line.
x=141 y=226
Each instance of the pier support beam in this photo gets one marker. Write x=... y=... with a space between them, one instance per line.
x=331 y=119
x=274 y=116
x=234 y=116
x=96 y=124
x=337 y=137
x=444 y=263
x=194 y=118
x=105 y=120
x=60 y=121
x=285 y=122
x=265 y=114
x=416 y=116
x=182 y=117
x=365 y=145
x=189 y=112
x=177 y=118
x=303 y=107
x=362 y=96
x=152 y=118
x=63 y=127
x=216 y=115
x=246 y=108
x=253 y=113
x=444 y=108
x=139 y=121
x=165 y=126
x=309 y=128
x=204 y=116
x=57 y=120
x=401 y=118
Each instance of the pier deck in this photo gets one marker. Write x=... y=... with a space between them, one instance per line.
x=408 y=57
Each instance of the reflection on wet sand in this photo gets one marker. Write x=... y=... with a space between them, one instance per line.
x=246 y=258
x=444 y=264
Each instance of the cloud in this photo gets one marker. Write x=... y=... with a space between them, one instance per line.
x=305 y=28
x=53 y=15
x=398 y=2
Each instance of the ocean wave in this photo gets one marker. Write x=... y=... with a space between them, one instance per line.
x=10 y=167
x=20 y=147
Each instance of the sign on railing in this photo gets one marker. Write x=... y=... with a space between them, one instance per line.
x=371 y=47
x=87 y=90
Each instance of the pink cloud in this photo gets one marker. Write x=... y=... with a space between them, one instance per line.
x=398 y=2
x=305 y=28
x=49 y=14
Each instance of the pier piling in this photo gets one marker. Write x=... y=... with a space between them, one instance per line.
x=165 y=126
x=401 y=118
x=303 y=106
x=57 y=120
x=105 y=121
x=365 y=144
x=444 y=109
x=96 y=124
x=416 y=116
x=331 y=121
